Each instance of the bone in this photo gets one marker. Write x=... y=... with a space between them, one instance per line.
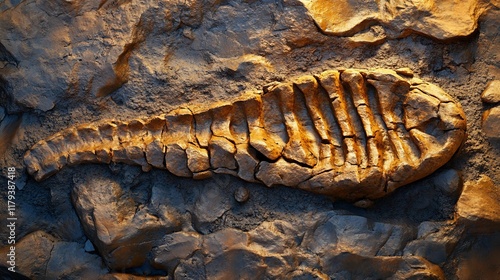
x=350 y=134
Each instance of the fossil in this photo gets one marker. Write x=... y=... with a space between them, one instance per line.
x=349 y=134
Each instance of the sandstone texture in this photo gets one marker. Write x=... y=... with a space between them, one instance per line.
x=441 y=20
x=194 y=208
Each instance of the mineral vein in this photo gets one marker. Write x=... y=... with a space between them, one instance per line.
x=348 y=134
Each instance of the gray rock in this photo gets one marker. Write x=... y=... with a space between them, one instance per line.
x=89 y=247
x=176 y=247
x=435 y=241
x=277 y=237
x=192 y=268
x=432 y=251
x=70 y=261
x=236 y=264
x=212 y=202
x=449 y=181
x=358 y=235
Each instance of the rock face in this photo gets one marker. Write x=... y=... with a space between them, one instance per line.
x=279 y=250
x=352 y=134
x=444 y=20
x=67 y=63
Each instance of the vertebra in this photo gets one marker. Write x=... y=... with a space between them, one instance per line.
x=349 y=134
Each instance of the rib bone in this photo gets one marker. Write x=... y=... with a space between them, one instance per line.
x=351 y=134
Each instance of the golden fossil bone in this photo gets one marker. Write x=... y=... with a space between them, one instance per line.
x=348 y=134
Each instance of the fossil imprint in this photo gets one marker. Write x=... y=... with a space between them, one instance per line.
x=348 y=134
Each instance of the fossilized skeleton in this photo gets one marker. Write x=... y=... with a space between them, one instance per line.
x=349 y=134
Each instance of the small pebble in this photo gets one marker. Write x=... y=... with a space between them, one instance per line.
x=89 y=247
x=241 y=194
x=364 y=203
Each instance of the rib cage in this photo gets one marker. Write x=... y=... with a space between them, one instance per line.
x=351 y=134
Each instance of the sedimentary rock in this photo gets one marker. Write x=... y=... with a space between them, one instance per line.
x=444 y=20
x=349 y=134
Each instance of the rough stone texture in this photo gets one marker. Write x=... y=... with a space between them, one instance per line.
x=444 y=20
x=123 y=233
x=479 y=205
x=491 y=121
x=40 y=256
x=33 y=254
x=173 y=53
x=491 y=93
x=70 y=261
x=435 y=241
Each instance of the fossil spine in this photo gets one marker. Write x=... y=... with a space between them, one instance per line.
x=350 y=134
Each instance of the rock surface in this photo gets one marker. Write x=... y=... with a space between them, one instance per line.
x=491 y=122
x=122 y=232
x=491 y=93
x=41 y=256
x=444 y=20
x=479 y=205
x=84 y=61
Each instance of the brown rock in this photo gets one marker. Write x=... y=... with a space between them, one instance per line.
x=375 y=35
x=122 y=232
x=492 y=92
x=491 y=122
x=32 y=254
x=445 y=20
x=282 y=173
x=241 y=194
x=479 y=206
x=221 y=153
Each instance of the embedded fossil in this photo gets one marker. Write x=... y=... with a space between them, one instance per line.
x=348 y=134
